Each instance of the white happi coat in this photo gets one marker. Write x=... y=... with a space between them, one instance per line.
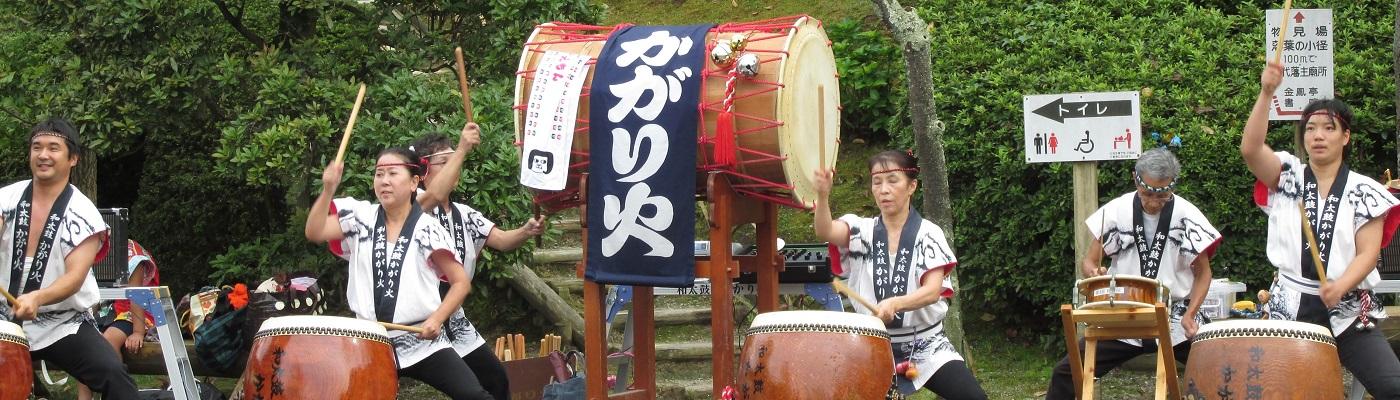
x=922 y=338
x=81 y=221
x=469 y=237
x=417 y=296
x=1362 y=201
x=1190 y=235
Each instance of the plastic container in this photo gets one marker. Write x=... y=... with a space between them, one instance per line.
x=1221 y=297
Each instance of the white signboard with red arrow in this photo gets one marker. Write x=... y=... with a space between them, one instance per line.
x=1082 y=127
x=1308 y=69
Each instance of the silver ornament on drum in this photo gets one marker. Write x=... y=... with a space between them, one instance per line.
x=722 y=55
x=739 y=42
x=748 y=65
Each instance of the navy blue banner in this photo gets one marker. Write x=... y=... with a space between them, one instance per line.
x=641 y=186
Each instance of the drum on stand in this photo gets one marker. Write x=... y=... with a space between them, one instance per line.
x=1265 y=359
x=16 y=369
x=815 y=355
x=784 y=115
x=1117 y=291
x=320 y=357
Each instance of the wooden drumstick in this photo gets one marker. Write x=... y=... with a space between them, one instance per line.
x=462 y=82
x=397 y=327
x=350 y=126
x=520 y=345
x=1278 y=47
x=538 y=238
x=1312 y=244
x=500 y=349
x=9 y=297
x=843 y=289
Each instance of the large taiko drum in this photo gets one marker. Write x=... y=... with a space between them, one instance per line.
x=16 y=371
x=1263 y=359
x=815 y=355
x=784 y=117
x=1118 y=291
x=319 y=357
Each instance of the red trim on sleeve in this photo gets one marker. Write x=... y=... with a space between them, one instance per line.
x=106 y=246
x=948 y=269
x=1392 y=221
x=334 y=245
x=1261 y=194
x=1210 y=250
x=833 y=256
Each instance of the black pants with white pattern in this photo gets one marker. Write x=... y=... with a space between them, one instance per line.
x=88 y=357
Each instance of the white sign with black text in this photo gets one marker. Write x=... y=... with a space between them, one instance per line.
x=1082 y=127
x=1308 y=69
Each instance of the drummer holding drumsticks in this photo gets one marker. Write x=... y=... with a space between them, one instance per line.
x=900 y=260
x=1153 y=233
x=1350 y=218
x=397 y=254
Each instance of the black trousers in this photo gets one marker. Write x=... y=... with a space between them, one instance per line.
x=1109 y=354
x=449 y=375
x=954 y=381
x=489 y=371
x=88 y=357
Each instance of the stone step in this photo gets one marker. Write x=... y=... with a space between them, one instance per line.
x=557 y=255
x=567 y=287
x=687 y=351
x=670 y=317
x=567 y=224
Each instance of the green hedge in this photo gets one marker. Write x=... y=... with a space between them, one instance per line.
x=1198 y=70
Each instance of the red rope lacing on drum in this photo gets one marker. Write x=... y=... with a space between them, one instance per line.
x=717 y=157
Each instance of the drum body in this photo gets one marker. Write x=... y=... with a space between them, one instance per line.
x=785 y=116
x=1118 y=291
x=815 y=355
x=1275 y=359
x=318 y=357
x=16 y=370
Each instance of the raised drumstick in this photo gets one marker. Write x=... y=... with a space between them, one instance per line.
x=1283 y=29
x=462 y=82
x=350 y=126
x=843 y=289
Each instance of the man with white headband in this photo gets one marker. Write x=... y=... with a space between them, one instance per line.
x=1153 y=233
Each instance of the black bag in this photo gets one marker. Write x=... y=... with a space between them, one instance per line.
x=219 y=342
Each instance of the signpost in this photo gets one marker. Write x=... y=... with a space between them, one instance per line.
x=1308 y=69
x=1083 y=128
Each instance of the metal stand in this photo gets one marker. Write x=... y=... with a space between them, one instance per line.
x=728 y=210
x=1113 y=324
x=157 y=301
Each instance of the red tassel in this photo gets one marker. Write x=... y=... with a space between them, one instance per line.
x=724 y=139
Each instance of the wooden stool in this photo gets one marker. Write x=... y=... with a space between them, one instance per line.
x=1113 y=324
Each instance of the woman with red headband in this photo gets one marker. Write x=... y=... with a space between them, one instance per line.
x=397 y=256
x=1350 y=216
x=902 y=262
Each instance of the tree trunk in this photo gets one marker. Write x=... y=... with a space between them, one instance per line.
x=911 y=32
x=545 y=300
x=84 y=176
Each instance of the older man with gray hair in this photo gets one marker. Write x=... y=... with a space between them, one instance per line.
x=1153 y=233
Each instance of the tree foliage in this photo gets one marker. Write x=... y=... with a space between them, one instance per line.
x=213 y=119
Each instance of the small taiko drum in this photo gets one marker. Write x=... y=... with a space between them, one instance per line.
x=815 y=355
x=1263 y=359
x=786 y=115
x=319 y=357
x=1117 y=291
x=16 y=371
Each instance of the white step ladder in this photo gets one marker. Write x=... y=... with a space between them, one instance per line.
x=172 y=344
